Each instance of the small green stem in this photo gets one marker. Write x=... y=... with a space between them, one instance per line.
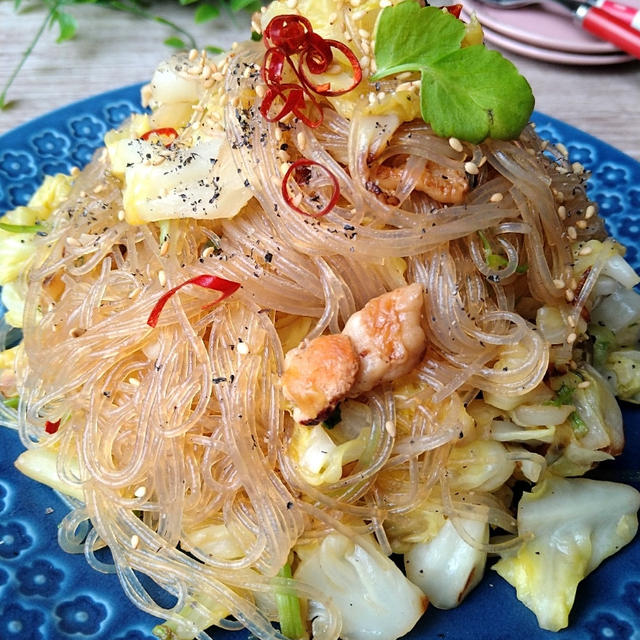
x=26 y=54
x=291 y=623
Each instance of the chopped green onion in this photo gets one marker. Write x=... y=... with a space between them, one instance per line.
x=578 y=425
x=604 y=341
x=291 y=624
x=22 y=228
x=11 y=402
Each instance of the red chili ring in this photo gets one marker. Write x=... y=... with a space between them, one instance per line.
x=290 y=93
x=306 y=162
x=162 y=131
x=289 y=32
x=321 y=89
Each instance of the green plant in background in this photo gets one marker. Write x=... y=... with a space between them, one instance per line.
x=57 y=16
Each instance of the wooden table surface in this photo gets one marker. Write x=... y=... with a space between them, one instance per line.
x=112 y=49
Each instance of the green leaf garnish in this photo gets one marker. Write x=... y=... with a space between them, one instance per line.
x=468 y=92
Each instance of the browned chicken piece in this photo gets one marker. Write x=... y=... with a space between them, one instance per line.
x=318 y=375
x=448 y=186
x=388 y=337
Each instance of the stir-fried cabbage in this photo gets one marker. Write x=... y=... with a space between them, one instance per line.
x=572 y=525
x=375 y=598
x=447 y=568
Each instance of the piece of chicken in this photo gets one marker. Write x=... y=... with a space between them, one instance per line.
x=318 y=375
x=382 y=341
x=387 y=336
x=448 y=186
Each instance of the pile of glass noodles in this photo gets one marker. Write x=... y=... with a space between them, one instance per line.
x=205 y=243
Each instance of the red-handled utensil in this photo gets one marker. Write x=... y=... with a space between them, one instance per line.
x=607 y=27
x=623 y=12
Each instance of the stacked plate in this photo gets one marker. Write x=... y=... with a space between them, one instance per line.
x=545 y=33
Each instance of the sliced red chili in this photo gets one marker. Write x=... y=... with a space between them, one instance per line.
x=226 y=288
x=454 y=9
x=289 y=95
x=300 y=171
x=51 y=427
x=162 y=132
x=289 y=32
x=287 y=35
x=318 y=60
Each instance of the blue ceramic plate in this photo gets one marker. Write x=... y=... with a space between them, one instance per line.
x=46 y=594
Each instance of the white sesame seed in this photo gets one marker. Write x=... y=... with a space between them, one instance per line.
x=585 y=384
x=140 y=491
x=135 y=541
x=193 y=54
x=590 y=212
x=582 y=224
x=471 y=168
x=585 y=251
x=208 y=252
x=284 y=167
x=569 y=295
x=291 y=4
x=372 y=98
x=562 y=149
x=164 y=248
x=301 y=140
x=278 y=134
x=98 y=188
x=385 y=3
x=358 y=15
x=573 y=284
x=571 y=321
x=496 y=197
x=364 y=61
x=577 y=168
x=363 y=33
x=134 y=382
x=390 y=427
x=562 y=212
x=405 y=86
x=134 y=292
x=571 y=338
x=404 y=75
x=559 y=284
x=73 y=242
x=381 y=96
x=162 y=277
x=455 y=144
x=261 y=90
x=242 y=348
x=572 y=233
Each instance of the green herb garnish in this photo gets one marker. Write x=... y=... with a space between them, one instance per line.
x=467 y=92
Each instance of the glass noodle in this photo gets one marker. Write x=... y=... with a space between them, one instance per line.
x=173 y=430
